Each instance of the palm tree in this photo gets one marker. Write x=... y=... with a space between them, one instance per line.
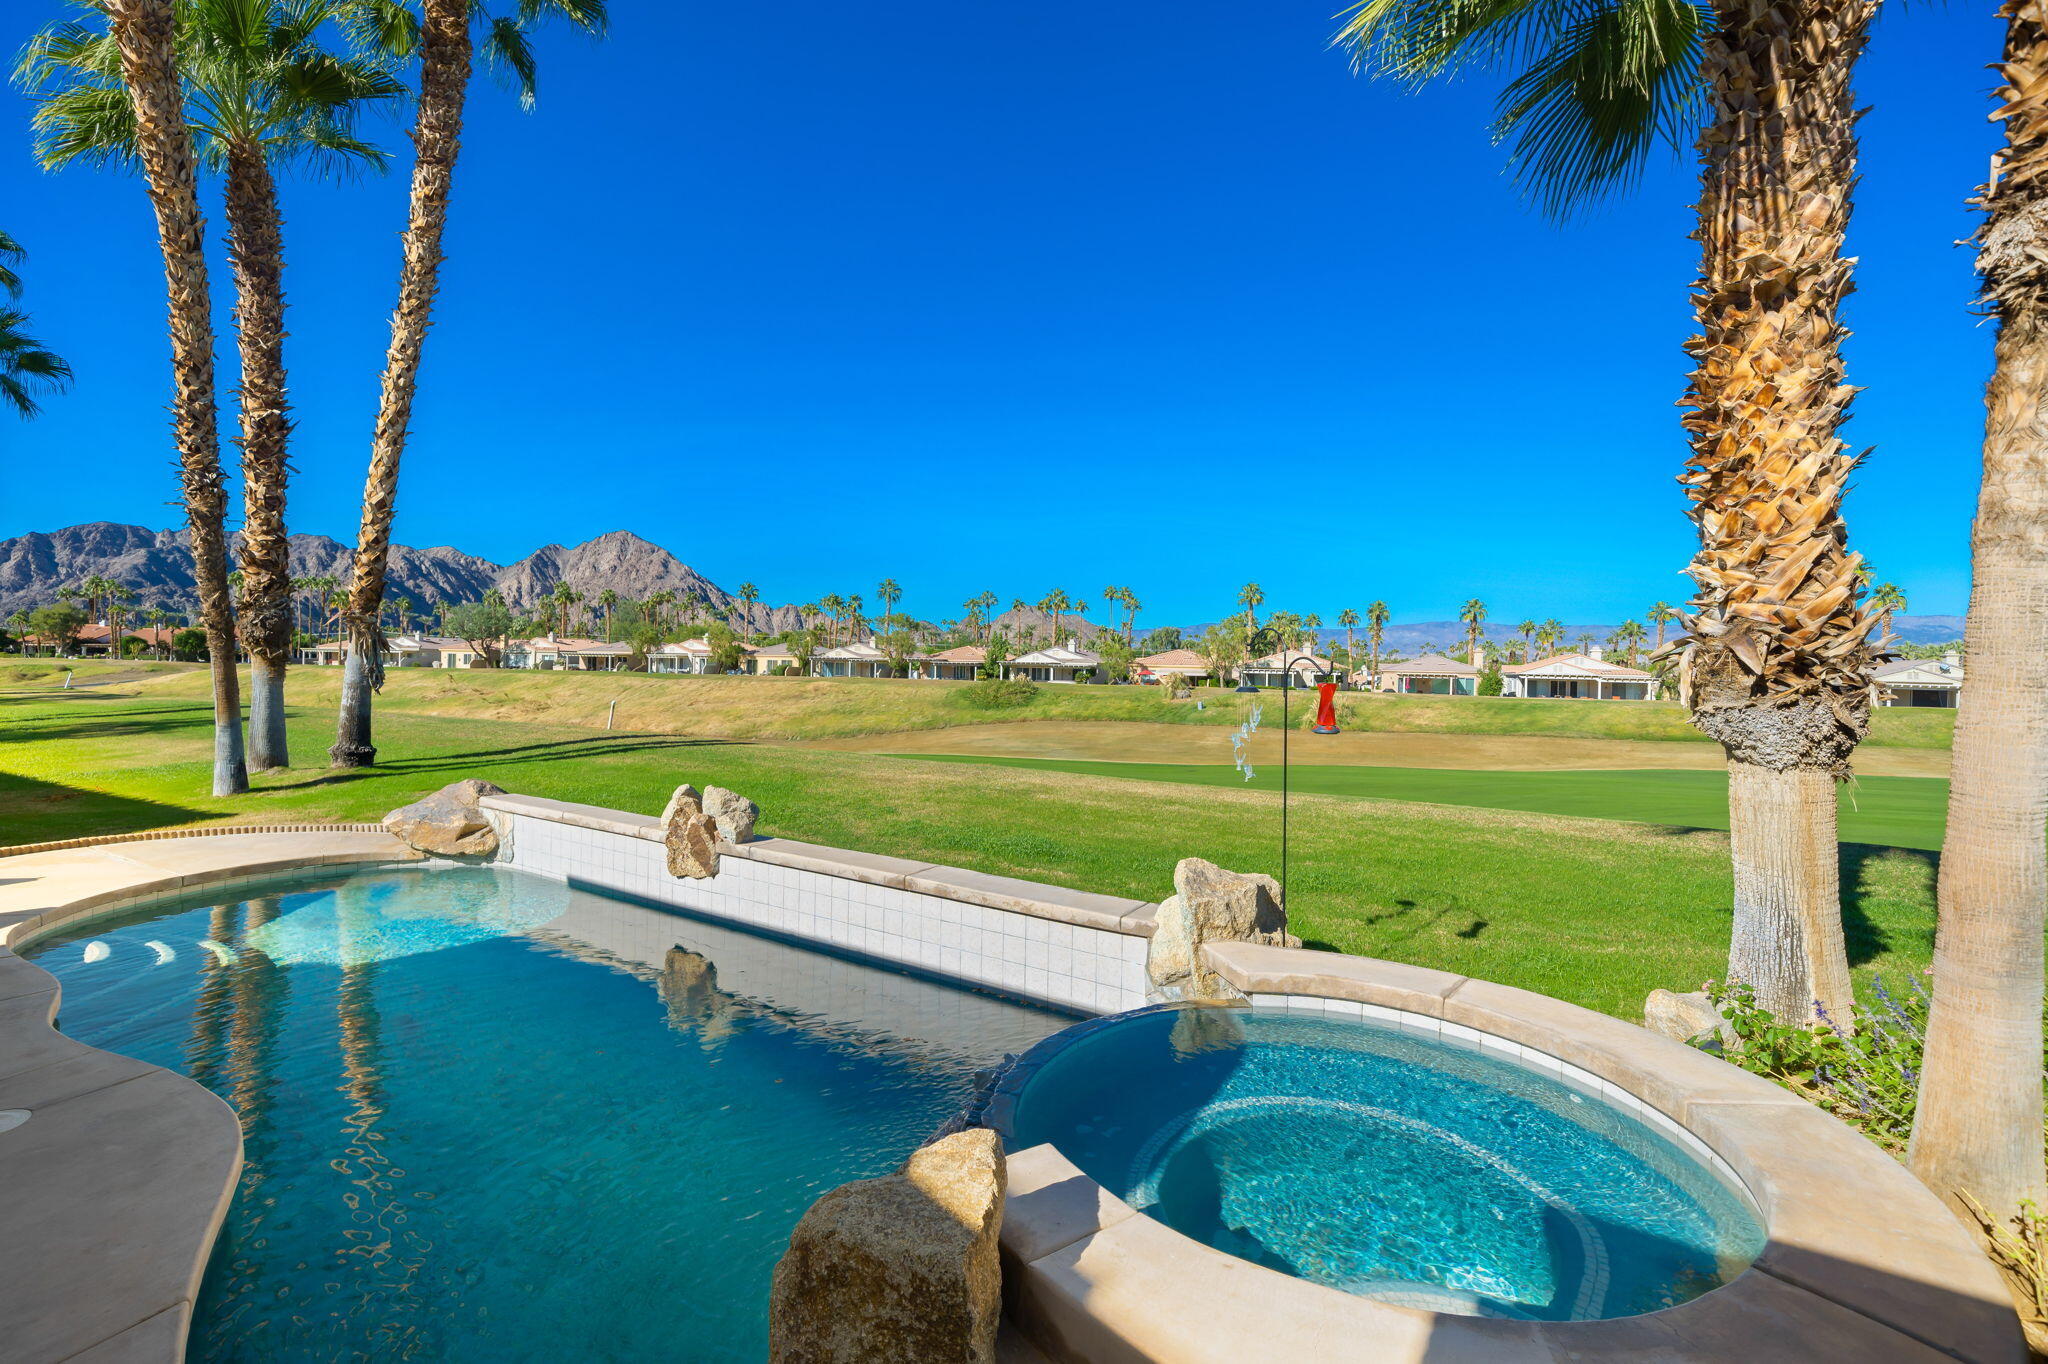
x=1348 y=618
x=1251 y=597
x=1977 y=1129
x=1527 y=630
x=118 y=594
x=659 y=602
x=1776 y=665
x=145 y=33
x=403 y=607
x=28 y=368
x=608 y=600
x=261 y=91
x=748 y=595
x=1376 y=617
x=1473 y=615
x=890 y=594
x=1055 y=603
x=440 y=42
x=1661 y=615
x=1131 y=606
x=1628 y=637
x=1550 y=635
x=566 y=599
x=1886 y=599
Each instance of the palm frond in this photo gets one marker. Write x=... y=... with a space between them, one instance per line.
x=509 y=54
x=1581 y=120
x=592 y=16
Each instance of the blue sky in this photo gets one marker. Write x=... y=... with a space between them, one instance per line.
x=1020 y=297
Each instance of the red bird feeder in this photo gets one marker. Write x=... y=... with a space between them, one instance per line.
x=1326 y=710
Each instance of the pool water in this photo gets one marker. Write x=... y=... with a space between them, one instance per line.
x=489 y=1117
x=1391 y=1165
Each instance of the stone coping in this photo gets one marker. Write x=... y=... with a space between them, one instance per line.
x=118 y=1180
x=1110 y=914
x=1860 y=1259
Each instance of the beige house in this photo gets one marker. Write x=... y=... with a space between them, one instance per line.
x=690 y=656
x=1429 y=675
x=1158 y=667
x=766 y=658
x=549 y=653
x=405 y=651
x=963 y=664
x=1920 y=681
x=1585 y=677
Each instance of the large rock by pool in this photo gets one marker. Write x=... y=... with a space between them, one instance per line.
x=1210 y=904
x=898 y=1268
x=450 y=822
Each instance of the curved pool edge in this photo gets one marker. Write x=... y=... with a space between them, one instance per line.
x=119 y=1179
x=1860 y=1261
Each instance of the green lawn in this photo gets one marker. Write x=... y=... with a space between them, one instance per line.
x=1902 y=812
x=1595 y=911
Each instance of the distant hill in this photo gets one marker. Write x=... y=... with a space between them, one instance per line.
x=158 y=566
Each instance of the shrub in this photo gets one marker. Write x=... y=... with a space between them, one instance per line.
x=189 y=646
x=999 y=694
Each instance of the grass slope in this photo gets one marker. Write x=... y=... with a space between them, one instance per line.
x=794 y=708
x=1593 y=911
x=1904 y=812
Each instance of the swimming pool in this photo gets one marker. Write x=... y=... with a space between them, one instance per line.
x=486 y=1115
x=1394 y=1166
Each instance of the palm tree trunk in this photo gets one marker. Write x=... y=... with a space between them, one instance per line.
x=256 y=250
x=146 y=32
x=437 y=138
x=1777 y=667
x=1977 y=1129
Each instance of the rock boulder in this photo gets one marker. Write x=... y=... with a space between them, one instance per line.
x=1211 y=903
x=903 y=1267
x=450 y=822
x=1684 y=1017
x=732 y=812
x=690 y=835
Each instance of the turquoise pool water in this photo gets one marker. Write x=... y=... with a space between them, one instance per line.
x=1383 y=1163
x=491 y=1118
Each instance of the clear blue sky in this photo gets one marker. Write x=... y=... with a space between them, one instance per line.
x=1019 y=297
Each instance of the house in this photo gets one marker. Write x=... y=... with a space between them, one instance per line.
x=1289 y=667
x=1919 y=681
x=859 y=659
x=549 y=652
x=766 y=658
x=963 y=664
x=598 y=656
x=1057 y=663
x=1587 y=676
x=1429 y=675
x=690 y=656
x=1182 y=662
x=404 y=651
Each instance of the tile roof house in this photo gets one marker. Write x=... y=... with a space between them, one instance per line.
x=956 y=665
x=858 y=659
x=1055 y=663
x=1289 y=667
x=1184 y=662
x=1919 y=681
x=1429 y=675
x=1588 y=677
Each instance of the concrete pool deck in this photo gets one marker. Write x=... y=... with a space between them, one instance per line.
x=118 y=1177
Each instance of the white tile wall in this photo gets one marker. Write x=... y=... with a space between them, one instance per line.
x=1514 y=1053
x=1066 y=964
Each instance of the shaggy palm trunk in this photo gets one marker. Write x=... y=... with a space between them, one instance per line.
x=1977 y=1130
x=256 y=250
x=437 y=138
x=1777 y=653
x=146 y=32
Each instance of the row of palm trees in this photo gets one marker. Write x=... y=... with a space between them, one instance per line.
x=240 y=89
x=1779 y=640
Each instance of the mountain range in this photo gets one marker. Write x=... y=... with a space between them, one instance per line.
x=157 y=565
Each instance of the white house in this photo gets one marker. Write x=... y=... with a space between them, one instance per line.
x=859 y=659
x=1919 y=681
x=1289 y=667
x=1587 y=677
x=690 y=656
x=1429 y=675
x=406 y=651
x=1058 y=663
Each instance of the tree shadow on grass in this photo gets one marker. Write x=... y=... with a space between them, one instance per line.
x=556 y=751
x=34 y=811
x=1865 y=868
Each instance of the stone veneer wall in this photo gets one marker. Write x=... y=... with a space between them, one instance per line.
x=1042 y=943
